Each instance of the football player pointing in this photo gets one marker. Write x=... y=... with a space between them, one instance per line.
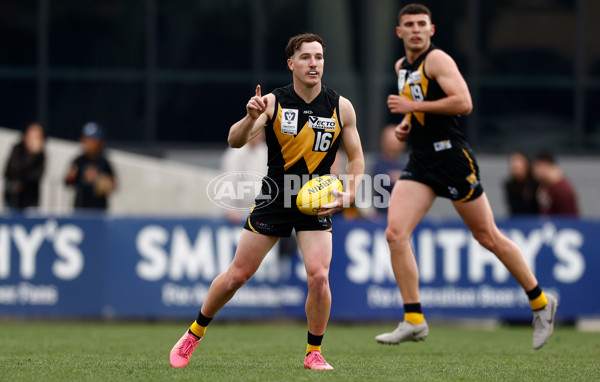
x=297 y=145
x=432 y=94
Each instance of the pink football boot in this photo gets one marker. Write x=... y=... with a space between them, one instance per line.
x=314 y=360
x=183 y=350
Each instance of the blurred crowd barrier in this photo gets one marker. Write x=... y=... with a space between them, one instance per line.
x=178 y=185
x=98 y=266
x=146 y=185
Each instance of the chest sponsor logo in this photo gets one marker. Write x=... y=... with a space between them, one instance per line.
x=414 y=77
x=289 y=121
x=320 y=123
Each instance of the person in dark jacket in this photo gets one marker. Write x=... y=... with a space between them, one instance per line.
x=91 y=173
x=24 y=169
x=520 y=188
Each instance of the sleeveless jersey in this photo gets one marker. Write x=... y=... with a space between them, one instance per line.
x=433 y=136
x=302 y=138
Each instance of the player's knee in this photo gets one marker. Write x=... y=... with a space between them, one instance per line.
x=237 y=279
x=394 y=235
x=318 y=280
x=486 y=240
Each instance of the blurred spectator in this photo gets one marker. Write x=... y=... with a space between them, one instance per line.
x=250 y=158
x=24 y=169
x=520 y=188
x=389 y=162
x=90 y=173
x=555 y=195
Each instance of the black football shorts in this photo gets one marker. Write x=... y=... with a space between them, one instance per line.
x=274 y=220
x=456 y=178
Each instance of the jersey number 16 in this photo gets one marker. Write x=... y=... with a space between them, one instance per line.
x=322 y=141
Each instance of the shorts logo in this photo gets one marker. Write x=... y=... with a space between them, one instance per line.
x=442 y=145
x=453 y=191
x=263 y=226
x=320 y=123
x=289 y=123
x=472 y=179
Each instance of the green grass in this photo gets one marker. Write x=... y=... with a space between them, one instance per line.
x=34 y=351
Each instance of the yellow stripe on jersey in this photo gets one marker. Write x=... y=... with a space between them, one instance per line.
x=416 y=90
x=294 y=148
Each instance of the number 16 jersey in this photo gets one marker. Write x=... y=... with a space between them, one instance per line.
x=302 y=138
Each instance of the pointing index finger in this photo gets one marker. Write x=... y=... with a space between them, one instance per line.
x=258 y=90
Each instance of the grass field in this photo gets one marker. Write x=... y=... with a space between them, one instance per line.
x=34 y=351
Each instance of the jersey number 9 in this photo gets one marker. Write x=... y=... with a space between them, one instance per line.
x=417 y=92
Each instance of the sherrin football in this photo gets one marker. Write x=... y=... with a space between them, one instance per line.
x=317 y=192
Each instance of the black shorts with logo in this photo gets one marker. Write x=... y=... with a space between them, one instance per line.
x=274 y=220
x=456 y=178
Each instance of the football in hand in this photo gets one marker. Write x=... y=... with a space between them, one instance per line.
x=316 y=193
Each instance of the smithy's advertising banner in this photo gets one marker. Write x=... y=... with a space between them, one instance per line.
x=97 y=266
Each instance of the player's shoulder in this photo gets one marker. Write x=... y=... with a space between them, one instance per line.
x=347 y=113
x=270 y=96
x=437 y=61
x=438 y=54
x=437 y=58
x=398 y=64
x=345 y=103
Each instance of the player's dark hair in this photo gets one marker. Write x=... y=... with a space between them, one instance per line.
x=294 y=42
x=414 y=9
x=545 y=156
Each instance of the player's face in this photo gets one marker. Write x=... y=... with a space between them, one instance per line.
x=307 y=63
x=415 y=31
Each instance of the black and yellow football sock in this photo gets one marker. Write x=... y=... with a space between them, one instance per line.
x=198 y=328
x=413 y=313
x=537 y=298
x=314 y=343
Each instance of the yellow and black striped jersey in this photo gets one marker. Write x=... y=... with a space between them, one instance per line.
x=433 y=136
x=303 y=138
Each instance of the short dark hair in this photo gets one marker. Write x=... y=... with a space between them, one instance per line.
x=545 y=156
x=414 y=9
x=294 y=42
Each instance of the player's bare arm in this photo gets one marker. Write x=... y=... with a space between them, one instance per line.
x=259 y=110
x=355 y=167
x=402 y=130
x=441 y=67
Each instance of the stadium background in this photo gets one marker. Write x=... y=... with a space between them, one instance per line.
x=167 y=79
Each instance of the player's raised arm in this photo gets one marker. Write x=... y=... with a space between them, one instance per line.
x=355 y=167
x=258 y=110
